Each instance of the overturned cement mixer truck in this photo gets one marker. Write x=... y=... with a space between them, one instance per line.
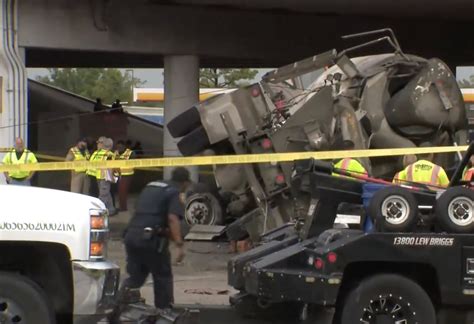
x=392 y=100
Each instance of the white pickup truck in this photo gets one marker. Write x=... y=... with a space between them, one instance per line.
x=53 y=266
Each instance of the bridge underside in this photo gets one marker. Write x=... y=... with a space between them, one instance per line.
x=140 y=33
x=183 y=35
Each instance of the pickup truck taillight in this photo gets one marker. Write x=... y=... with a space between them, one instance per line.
x=99 y=221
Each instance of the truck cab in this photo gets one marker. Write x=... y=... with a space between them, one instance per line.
x=53 y=265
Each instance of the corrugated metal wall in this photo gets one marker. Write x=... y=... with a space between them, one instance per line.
x=58 y=118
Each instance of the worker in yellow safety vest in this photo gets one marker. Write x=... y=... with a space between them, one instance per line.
x=92 y=172
x=80 y=182
x=425 y=172
x=105 y=177
x=407 y=160
x=126 y=174
x=468 y=174
x=352 y=166
x=19 y=155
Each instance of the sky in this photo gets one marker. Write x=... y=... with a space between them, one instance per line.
x=153 y=78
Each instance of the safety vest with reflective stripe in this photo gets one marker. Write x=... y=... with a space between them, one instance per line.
x=351 y=165
x=99 y=155
x=425 y=172
x=469 y=175
x=396 y=178
x=78 y=156
x=126 y=156
x=11 y=159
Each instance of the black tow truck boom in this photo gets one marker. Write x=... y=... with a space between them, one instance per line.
x=425 y=275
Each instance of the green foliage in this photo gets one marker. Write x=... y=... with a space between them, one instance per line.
x=108 y=84
x=467 y=83
x=226 y=78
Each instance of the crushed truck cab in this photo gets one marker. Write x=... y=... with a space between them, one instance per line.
x=54 y=248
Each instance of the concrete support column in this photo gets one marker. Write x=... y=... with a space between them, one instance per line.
x=181 y=79
x=13 y=81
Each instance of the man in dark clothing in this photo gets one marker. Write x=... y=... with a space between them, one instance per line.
x=98 y=105
x=157 y=219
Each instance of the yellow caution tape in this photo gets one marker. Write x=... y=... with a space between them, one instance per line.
x=227 y=159
x=49 y=157
x=38 y=155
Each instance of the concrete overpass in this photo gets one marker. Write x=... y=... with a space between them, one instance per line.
x=183 y=35
x=258 y=33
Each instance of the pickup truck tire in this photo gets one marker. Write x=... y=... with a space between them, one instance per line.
x=455 y=210
x=394 y=209
x=388 y=297
x=23 y=301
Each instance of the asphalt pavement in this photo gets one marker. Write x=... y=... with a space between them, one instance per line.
x=201 y=279
x=200 y=283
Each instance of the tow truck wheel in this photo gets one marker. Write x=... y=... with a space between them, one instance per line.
x=388 y=298
x=203 y=209
x=23 y=301
x=455 y=210
x=394 y=209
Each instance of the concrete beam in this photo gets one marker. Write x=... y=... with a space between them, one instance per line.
x=455 y=10
x=140 y=29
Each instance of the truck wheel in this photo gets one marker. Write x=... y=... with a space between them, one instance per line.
x=195 y=142
x=23 y=301
x=394 y=209
x=388 y=298
x=454 y=210
x=203 y=209
x=184 y=123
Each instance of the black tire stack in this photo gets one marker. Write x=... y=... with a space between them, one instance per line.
x=454 y=210
x=395 y=209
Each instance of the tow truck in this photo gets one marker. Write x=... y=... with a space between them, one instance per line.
x=402 y=272
x=425 y=275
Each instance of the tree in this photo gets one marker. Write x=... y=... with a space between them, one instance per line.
x=226 y=78
x=108 y=84
x=467 y=83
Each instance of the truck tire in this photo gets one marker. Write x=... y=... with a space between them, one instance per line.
x=389 y=297
x=203 y=209
x=195 y=142
x=23 y=301
x=394 y=209
x=455 y=210
x=185 y=123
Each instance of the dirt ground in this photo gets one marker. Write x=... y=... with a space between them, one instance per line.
x=200 y=280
